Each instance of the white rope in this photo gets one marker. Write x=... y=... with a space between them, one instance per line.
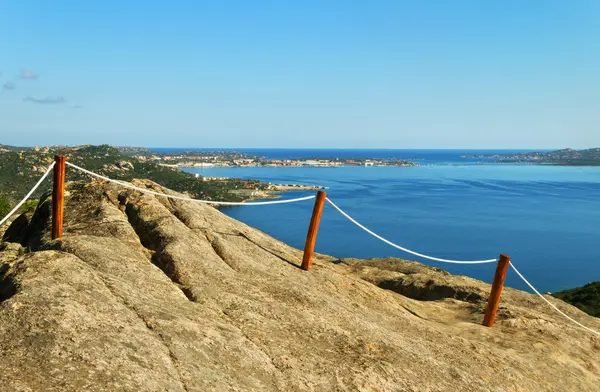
x=226 y=203
x=27 y=196
x=550 y=303
x=404 y=249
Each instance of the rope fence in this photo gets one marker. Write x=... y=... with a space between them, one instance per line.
x=491 y=309
x=412 y=252
x=27 y=196
x=502 y=262
x=550 y=303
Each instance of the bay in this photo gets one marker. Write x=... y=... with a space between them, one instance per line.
x=547 y=218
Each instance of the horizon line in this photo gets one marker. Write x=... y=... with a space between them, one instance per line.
x=311 y=148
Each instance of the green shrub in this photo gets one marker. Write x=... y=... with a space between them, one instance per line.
x=29 y=205
x=586 y=298
x=6 y=204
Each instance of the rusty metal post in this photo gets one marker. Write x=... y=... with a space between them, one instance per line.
x=313 y=229
x=497 y=286
x=58 y=196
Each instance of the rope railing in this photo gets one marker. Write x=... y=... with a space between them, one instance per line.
x=225 y=203
x=28 y=195
x=497 y=285
x=457 y=262
x=550 y=303
x=412 y=252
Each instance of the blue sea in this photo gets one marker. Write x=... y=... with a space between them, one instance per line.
x=547 y=218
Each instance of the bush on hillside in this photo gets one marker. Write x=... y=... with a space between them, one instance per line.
x=586 y=298
x=29 y=205
x=6 y=205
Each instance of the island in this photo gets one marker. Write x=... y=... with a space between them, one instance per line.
x=564 y=157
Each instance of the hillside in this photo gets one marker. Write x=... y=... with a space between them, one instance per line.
x=20 y=168
x=586 y=298
x=148 y=294
x=565 y=157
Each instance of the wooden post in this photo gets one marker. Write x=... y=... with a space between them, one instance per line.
x=58 y=197
x=497 y=286
x=313 y=229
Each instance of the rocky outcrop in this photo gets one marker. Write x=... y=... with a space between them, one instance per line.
x=150 y=294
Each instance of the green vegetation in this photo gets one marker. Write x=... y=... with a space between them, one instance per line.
x=20 y=169
x=586 y=298
x=29 y=205
x=114 y=164
x=12 y=148
x=5 y=205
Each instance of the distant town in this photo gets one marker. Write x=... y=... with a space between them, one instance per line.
x=193 y=159
x=22 y=166
x=230 y=158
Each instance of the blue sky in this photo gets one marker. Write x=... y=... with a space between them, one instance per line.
x=345 y=74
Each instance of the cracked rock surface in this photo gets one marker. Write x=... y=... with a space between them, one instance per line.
x=150 y=294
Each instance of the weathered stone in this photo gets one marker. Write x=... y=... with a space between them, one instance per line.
x=149 y=294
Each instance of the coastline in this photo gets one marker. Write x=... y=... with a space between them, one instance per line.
x=191 y=165
x=273 y=191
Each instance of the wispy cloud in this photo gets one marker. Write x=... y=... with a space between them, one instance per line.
x=47 y=100
x=9 y=86
x=77 y=107
x=27 y=74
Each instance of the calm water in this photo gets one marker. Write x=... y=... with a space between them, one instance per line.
x=547 y=218
x=420 y=156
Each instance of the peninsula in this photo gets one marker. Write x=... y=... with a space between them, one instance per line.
x=564 y=157
x=232 y=158
x=20 y=168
